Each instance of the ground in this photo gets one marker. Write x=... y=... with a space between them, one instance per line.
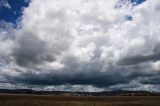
x=46 y=100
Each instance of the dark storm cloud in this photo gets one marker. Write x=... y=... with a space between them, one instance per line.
x=96 y=79
x=133 y=60
x=153 y=80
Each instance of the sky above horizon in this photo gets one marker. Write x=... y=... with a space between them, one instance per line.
x=80 y=45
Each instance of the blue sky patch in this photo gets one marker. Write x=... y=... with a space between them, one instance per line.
x=136 y=2
x=129 y=18
x=12 y=13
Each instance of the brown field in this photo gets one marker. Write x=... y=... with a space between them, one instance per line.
x=44 y=100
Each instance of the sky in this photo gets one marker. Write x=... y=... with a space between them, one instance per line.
x=80 y=45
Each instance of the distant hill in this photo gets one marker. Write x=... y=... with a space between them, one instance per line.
x=67 y=93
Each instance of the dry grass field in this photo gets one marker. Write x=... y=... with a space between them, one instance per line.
x=44 y=100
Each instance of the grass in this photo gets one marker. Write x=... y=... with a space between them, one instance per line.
x=45 y=100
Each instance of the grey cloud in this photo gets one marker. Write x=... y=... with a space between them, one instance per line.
x=153 y=80
x=29 y=50
x=133 y=60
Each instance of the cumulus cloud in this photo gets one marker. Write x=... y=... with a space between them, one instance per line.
x=96 y=44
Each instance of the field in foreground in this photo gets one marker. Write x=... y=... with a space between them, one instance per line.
x=44 y=100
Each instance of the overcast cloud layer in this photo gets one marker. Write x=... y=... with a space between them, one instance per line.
x=87 y=45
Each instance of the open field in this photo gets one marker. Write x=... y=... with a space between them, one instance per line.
x=45 y=100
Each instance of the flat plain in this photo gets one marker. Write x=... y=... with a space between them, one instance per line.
x=50 y=100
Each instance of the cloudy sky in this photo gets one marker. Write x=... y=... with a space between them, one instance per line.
x=80 y=45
